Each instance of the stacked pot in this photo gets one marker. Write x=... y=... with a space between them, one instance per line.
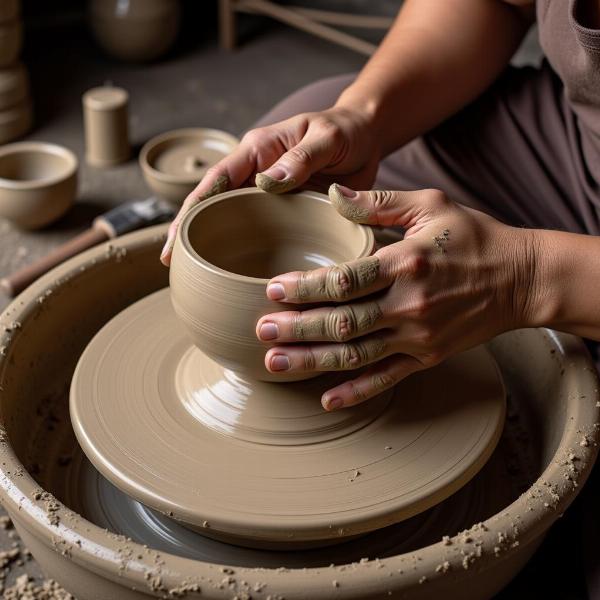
x=16 y=113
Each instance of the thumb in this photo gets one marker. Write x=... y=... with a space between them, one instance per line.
x=293 y=168
x=387 y=208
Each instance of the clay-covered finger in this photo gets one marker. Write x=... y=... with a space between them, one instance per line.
x=339 y=283
x=381 y=377
x=314 y=358
x=316 y=150
x=336 y=324
x=227 y=174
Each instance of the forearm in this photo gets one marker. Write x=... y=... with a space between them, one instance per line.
x=437 y=57
x=567 y=290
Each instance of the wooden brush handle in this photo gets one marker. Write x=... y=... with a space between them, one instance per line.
x=18 y=281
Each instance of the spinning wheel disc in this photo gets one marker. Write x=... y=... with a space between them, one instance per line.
x=261 y=464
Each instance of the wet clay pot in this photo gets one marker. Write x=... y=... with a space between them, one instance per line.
x=38 y=183
x=549 y=377
x=14 y=86
x=174 y=162
x=11 y=42
x=135 y=30
x=228 y=248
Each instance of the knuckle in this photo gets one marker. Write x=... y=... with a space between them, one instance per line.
x=382 y=381
x=426 y=337
x=353 y=355
x=436 y=198
x=416 y=264
x=300 y=155
x=330 y=129
x=381 y=199
x=358 y=394
x=341 y=324
x=432 y=358
x=254 y=136
x=421 y=305
x=309 y=360
x=339 y=283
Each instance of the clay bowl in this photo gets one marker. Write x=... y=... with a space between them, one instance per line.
x=229 y=247
x=136 y=30
x=38 y=183
x=549 y=376
x=174 y=162
x=14 y=86
x=11 y=41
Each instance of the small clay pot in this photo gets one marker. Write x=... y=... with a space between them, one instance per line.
x=174 y=162
x=227 y=249
x=11 y=42
x=38 y=183
x=9 y=10
x=135 y=30
x=14 y=86
x=105 y=119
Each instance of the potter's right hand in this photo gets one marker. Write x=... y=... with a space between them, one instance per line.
x=310 y=150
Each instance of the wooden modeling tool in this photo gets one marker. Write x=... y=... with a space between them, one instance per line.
x=119 y=220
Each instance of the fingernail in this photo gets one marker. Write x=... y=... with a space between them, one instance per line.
x=279 y=362
x=335 y=403
x=275 y=291
x=346 y=191
x=276 y=172
x=166 y=248
x=268 y=331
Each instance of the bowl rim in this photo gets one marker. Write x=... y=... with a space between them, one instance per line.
x=71 y=164
x=365 y=233
x=96 y=549
x=186 y=132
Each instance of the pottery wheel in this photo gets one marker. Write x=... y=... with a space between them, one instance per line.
x=261 y=464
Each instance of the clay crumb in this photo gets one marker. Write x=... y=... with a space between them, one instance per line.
x=205 y=524
x=585 y=441
x=388 y=448
x=26 y=588
x=423 y=579
x=335 y=583
x=355 y=474
x=446 y=540
x=443 y=567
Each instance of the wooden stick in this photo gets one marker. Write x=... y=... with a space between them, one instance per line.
x=344 y=19
x=300 y=21
x=227 y=24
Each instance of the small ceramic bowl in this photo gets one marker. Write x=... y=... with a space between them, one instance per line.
x=174 y=162
x=228 y=248
x=38 y=183
x=14 y=86
x=11 y=42
x=136 y=30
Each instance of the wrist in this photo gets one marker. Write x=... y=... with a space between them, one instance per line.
x=537 y=271
x=365 y=107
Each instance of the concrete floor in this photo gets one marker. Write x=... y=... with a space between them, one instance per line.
x=197 y=85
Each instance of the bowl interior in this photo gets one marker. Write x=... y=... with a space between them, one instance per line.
x=262 y=235
x=32 y=165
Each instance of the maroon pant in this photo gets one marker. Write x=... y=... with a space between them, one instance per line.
x=514 y=154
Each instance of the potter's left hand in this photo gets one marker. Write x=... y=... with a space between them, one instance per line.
x=457 y=279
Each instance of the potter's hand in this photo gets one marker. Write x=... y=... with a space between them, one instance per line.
x=457 y=279
x=309 y=150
